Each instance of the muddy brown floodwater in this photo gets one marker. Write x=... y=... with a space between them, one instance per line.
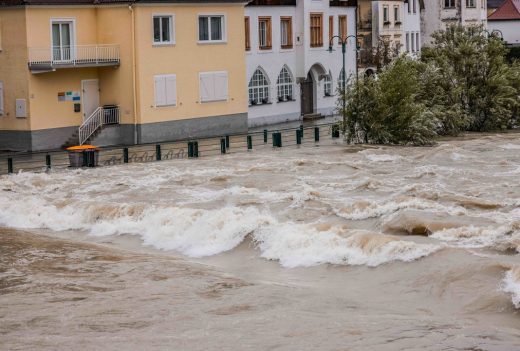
x=317 y=248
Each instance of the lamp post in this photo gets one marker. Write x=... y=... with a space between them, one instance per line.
x=343 y=42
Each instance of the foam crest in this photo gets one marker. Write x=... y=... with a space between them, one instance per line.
x=364 y=209
x=296 y=245
x=383 y=157
x=194 y=232
x=511 y=284
x=503 y=237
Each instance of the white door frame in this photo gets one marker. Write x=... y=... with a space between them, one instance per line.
x=83 y=95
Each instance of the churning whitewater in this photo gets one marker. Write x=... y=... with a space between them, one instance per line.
x=437 y=226
x=301 y=207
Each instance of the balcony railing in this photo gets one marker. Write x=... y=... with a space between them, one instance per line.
x=45 y=59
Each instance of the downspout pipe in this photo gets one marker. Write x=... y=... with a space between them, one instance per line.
x=134 y=86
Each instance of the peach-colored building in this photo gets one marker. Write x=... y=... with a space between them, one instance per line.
x=119 y=72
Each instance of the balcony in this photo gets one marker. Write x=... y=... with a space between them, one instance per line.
x=50 y=59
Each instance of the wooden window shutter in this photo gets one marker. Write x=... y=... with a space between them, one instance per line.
x=287 y=22
x=343 y=26
x=171 y=90
x=316 y=29
x=248 y=33
x=331 y=28
x=160 y=91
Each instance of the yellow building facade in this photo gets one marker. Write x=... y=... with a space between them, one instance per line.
x=120 y=73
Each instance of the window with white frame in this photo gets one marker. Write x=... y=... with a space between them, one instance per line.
x=285 y=85
x=407 y=42
x=211 y=28
x=449 y=4
x=213 y=86
x=397 y=18
x=470 y=3
x=1 y=98
x=258 y=88
x=327 y=85
x=341 y=79
x=163 y=29
x=386 y=18
x=414 y=6
x=165 y=88
x=417 y=43
x=413 y=42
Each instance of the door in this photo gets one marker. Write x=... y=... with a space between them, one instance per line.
x=307 y=95
x=62 y=41
x=90 y=92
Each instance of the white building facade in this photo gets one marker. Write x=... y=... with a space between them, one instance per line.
x=438 y=14
x=505 y=21
x=412 y=27
x=290 y=72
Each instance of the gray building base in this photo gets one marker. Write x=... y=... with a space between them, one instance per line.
x=273 y=119
x=123 y=134
x=192 y=128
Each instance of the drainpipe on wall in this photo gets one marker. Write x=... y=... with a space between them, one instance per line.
x=134 y=92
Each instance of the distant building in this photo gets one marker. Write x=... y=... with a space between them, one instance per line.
x=506 y=21
x=438 y=14
x=392 y=26
x=290 y=72
x=493 y=5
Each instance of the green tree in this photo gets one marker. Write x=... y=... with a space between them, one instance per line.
x=385 y=109
x=467 y=82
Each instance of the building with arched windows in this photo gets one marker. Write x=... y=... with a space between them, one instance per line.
x=290 y=72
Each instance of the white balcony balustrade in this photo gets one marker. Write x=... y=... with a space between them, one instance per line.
x=49 y=59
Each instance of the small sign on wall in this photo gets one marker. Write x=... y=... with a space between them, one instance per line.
x=69 y=96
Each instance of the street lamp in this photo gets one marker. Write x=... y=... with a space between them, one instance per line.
x=343 y=42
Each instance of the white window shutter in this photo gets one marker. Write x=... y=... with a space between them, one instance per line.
x=206 y=87
x=171 y=89
x=1 y=98
x=160 y=91
x=221 y=85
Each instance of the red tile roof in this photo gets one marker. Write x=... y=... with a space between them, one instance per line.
x=509 y=10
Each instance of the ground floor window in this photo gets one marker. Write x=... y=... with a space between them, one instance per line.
x=327 y=85
x=285 y=85
x=258 y=88
x=165 y=90
x=213 y=86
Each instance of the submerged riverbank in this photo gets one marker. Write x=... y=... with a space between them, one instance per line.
x=333 y=247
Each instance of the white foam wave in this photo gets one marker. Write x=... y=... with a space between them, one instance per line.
x=511 y=284
x=382 y=157
x=194 y=232
x=364 y=209
x=510 y=146
x=501 y=237
x=296 y=245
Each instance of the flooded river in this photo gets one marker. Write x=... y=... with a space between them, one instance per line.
x=315 y=248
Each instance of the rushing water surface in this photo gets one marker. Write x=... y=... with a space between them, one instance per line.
x=333 y=248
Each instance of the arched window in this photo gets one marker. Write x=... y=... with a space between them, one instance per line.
x=327 y=85
x=258 y=88
x=285 y=85
x=341 y=79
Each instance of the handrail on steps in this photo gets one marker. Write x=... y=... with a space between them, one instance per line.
x=98 y=118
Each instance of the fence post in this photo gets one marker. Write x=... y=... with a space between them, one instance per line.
x=158 y=152
x=298 y=136
x=190 y=149
x=316 y=133
x=335 y=131
x=227 y=141
x=265 y=136
x=249 y=142
x=222 y=145
x=277 y=139
x=9 y=165
x=48 y=161
x=125 y=155
x=195 y=149
x=301 y=131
